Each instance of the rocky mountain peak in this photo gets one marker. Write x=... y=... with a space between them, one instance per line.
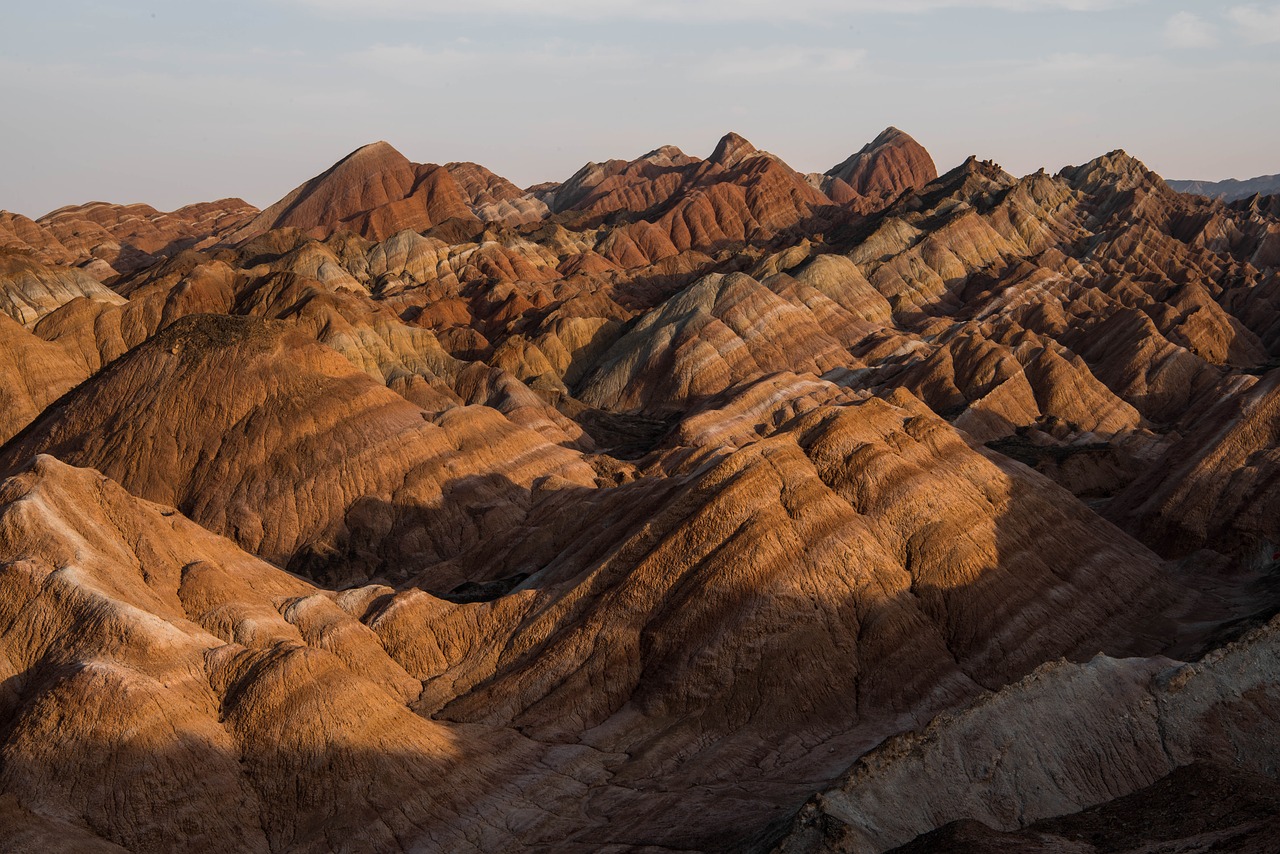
x=886 y=166
x=1115 y=171
x=732 y=150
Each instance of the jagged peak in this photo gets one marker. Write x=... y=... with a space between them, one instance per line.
x=666 y=155
x=1118 y=162
x=1117 y=169
x=973 y=179
x=973 y=166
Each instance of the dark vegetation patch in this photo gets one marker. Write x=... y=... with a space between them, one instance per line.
x=1030 y=454
x=1264 y=368
x=483 y=591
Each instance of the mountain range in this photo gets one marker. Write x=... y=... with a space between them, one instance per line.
x=683 y=505
x=1231 y=189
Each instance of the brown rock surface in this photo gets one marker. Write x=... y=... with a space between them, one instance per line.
x=718 y=332
x=160 y=681
x=36 y=373
x=23 y=234
x=207 y=416
x=1217 y=487
x=616 y=606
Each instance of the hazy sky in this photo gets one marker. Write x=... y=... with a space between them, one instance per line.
x=171 y=103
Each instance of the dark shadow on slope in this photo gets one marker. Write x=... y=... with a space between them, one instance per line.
x=1199 y=807
x=469 y=592
x=995 y=628
x=625 y=436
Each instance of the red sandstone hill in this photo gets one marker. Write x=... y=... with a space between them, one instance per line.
x=684 y=505
x=374 y=191
x=886 y=167
x=106 y=239
x=739 y=193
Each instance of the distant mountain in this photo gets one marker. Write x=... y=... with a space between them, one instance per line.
x=107 y=239
x=1230 y=189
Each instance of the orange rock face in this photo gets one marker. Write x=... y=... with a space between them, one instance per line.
x=374 y=191
x=422 y=512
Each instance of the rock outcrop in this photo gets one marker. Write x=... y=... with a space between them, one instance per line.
x=1069 y=736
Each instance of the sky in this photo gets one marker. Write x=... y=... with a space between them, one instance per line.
x=176 y=102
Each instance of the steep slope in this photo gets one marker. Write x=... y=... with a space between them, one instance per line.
x=374 y=191
x=36 y=373
x=493 y=198
x=1217 y=488
x=739 y=194
x=804 y=573
x=638 y=185
x=259 y=433
x=23 y=234
x=159 y=683
x=717 y=333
